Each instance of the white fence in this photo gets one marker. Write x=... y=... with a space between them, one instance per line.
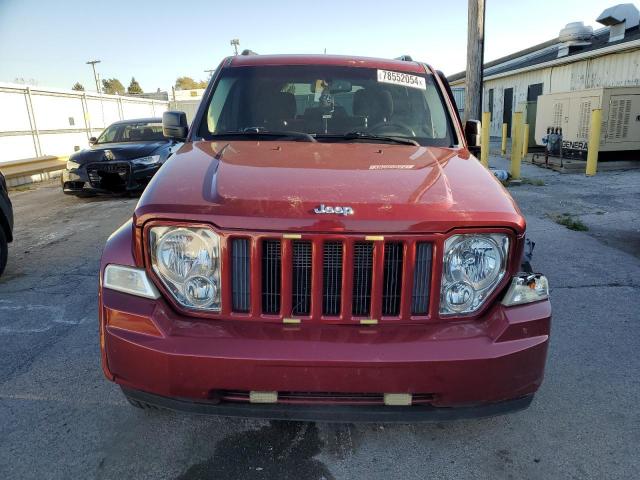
x=37 y=122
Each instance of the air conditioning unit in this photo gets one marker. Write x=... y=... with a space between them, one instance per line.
x=571 y=112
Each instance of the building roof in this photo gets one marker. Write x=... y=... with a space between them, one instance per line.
x=332 y=60
x=548 y=51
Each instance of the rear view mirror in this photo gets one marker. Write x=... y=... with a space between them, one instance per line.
x=472 y=129
x=174 y=125
x=340 y=86
x=93 y=140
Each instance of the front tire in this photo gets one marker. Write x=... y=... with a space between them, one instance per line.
x=4 y=250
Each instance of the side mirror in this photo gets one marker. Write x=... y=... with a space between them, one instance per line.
x=92 y=140
x=472 y=129
x=174 y=125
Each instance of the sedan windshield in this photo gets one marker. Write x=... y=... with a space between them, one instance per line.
x=328 y=103
x=132 y=132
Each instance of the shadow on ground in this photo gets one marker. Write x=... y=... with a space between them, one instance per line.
x=282 y=450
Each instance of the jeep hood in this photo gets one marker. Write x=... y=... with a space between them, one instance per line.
x=275 y=186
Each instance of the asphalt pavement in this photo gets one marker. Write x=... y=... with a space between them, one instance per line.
x=61 y=419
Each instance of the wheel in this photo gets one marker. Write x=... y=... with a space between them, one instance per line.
x=4 y=250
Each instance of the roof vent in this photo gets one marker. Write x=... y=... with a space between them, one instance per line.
x=619 y=19
x=575 y=34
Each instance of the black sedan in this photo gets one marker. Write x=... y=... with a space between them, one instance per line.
x=6 y=223
x=122 y=159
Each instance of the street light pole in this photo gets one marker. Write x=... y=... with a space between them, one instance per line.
x=95 y=75
x=235 y=43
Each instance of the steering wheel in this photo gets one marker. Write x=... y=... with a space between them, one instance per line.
x=392 y=128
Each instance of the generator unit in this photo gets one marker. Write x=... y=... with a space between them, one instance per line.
x=570 y=113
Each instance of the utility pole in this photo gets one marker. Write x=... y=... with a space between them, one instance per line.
x=95 y=75
x=210 y=72
x=475 y=59
x=235 y=43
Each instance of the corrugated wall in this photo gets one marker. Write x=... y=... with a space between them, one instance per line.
x=614 y=70
x=39 y=122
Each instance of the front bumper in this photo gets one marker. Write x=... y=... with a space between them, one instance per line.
x=329 y=413
x=78 y=181
x=148 y=347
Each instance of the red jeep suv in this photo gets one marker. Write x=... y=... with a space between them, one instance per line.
x=324 y=246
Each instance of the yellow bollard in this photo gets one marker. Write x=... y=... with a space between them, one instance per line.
x=484 y=139
x=594 y=142
x=516 y=148
x=504 y=139
x=525 y=140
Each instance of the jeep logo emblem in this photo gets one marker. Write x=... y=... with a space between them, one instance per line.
x=335 y=210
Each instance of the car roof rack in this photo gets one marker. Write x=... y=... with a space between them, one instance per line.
x=404 y=58
x=246 y=52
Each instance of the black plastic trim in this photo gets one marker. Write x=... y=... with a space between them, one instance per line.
x=329 y=413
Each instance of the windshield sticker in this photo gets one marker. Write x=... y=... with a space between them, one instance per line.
x=404 y=79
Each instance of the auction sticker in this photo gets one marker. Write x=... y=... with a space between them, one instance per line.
x=404 y=79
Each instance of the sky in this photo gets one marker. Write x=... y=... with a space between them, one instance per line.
x=47 y=42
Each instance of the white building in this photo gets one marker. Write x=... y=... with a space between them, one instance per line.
x=578 y=59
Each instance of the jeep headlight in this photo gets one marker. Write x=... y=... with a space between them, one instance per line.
x=473 y=266
x=187 y=261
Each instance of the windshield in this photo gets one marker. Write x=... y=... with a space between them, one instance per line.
x=329 y=103
x=132 y=132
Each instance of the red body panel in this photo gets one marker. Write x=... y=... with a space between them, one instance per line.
x=274 y=186
x=261 y=190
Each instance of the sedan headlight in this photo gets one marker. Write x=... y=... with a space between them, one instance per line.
x=71 y=165
x=146 y=161
x=187 y=261
x=473 y=266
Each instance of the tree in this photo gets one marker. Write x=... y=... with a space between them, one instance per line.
x=134 y=87
x=78 y=87
x=112 y=86
x=188 y=83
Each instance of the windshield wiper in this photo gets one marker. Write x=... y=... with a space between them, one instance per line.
x=261 y=132
x=385 y=138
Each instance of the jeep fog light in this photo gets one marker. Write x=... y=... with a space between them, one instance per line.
x=473 y=266
x=129 y=280
x=187 y=261
x=526 y=289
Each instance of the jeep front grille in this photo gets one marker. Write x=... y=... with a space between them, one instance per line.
x=301 y=278
x=334 y=278
x=241 y=278
x=271 y=265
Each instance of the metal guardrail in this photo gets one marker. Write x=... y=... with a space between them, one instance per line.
x=32 y=169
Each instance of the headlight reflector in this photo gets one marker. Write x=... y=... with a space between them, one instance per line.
x=526 y=288
x=473 y=266
x=187 y=260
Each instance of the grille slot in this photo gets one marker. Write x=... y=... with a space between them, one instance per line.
x=362 y=274
x=109 y=175
x=392 y=282
x=240 y=274
x=421 y=279
x=332 y=278
x=271 y=267
x=301 y=278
